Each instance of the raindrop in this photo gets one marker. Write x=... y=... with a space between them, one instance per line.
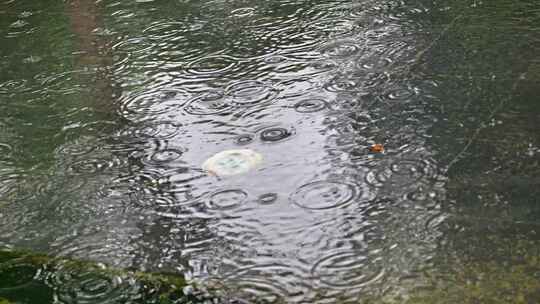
x=436 y=221
x=250 y=92
x=162 y=130
x=165 y=156
x=331 y=28
x=275 y=59
x=340 y=49
x=81 y=147
x=184 y=184
x=261 y=283
x=16 y=273
x=322 y=195
x=91 y=165
x=243 y=12
x=421 y=195
x=143 y=200
x=25 y=14
x=212 y=65
x=258 y=289
x=399 y=94
x=244 y=139
x=227 y=199
x=164 y=30
x=402 y=172
x=341 y=85
x=32 y=59
x=275 y=134
x=291 y=39
x=321 y=66
x=373 y=64
x=153 y=102
x=297 y=86
x=310 y=105
x=12 y=86
x=267 y=198
x=5 y=149
x=75 y=284
x=209 y=103
x=347 y=269
x=19 y=24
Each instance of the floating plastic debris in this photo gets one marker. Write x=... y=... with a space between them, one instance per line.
x=232 y=162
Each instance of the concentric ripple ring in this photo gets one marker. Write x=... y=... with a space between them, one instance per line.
x=321 y=195
x=347 y=269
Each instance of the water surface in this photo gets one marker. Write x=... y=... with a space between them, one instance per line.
x=109 y=109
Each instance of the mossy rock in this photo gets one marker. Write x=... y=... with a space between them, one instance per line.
x=37 y=278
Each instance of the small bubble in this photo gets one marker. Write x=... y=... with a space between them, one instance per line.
x=321 y=195
x=275 y=134
x=310 y=105
x=244 y=139
x=243 y=12
x=267 y=198
x=227 y=199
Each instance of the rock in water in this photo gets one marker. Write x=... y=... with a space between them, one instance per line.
x=232 y=162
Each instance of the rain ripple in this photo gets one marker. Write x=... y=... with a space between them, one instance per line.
x=152 y=130
x=331 y=28
x=338 y=85
x=5 y=150
x=92 y=165
x=348 y=269
x=322 y=195
x=239 y=94
x=212 y=66
x=399 y=94
x=251 y=92
x=163 y=157
x=75 y=284
x=266 y=282
x=243 y=12
x=267 y=198
x=403 y=172
x=16 y=273
x=153 y=102
x=227 y=199
x=79 y=148
x=209 y=103
x=275 y=134
x=310 y=105
x=340 y=49
x=244 y=139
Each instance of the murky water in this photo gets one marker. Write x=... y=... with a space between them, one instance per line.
x=109 y=109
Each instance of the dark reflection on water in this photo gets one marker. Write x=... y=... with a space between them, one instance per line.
x=108 y=116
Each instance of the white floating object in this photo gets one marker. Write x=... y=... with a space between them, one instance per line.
x=232 y=162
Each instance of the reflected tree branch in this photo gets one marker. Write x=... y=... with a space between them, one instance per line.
x=93 y=51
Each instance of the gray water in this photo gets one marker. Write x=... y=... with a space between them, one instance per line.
x=109 y=109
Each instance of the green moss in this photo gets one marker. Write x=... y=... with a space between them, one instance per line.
x=24 y=274
x=484 y=282
x=41 y=260
x=472 y=281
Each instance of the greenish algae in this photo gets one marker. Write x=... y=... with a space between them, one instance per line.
x=24 y=275
x=487 y=283
x=513 y=280
x=42 y=260
x=474 y=281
